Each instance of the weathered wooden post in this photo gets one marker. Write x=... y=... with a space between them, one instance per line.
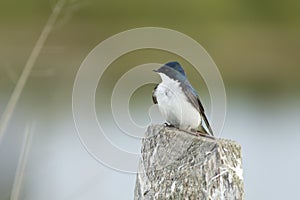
x=178 y=165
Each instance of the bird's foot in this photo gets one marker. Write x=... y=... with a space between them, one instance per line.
x=168 y=125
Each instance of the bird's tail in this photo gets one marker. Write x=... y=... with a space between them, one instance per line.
x=208 y=129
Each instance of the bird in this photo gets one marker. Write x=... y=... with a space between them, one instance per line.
x=178 y=102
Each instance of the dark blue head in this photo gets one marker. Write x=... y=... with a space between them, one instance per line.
x=175 y=65
x=173 y=70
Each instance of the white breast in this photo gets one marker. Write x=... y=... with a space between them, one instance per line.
x=174 y=106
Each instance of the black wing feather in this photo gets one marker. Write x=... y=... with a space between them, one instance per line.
x=153 y=95
x=195 y=101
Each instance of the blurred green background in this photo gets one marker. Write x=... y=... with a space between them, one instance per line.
x=255 y=44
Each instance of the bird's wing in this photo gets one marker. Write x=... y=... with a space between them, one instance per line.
x=154 y=96
x=193 y=98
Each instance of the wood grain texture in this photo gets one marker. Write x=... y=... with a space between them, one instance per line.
x=178 y=165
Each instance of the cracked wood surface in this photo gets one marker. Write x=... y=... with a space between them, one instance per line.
x=177 y=165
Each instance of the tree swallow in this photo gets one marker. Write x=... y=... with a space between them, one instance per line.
x=178 y=101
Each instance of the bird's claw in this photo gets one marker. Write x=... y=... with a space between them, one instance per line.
x=168 y=125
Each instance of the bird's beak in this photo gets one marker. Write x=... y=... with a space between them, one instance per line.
x=155 y=70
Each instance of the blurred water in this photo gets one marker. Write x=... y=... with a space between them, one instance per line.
x=60 y=168
x=268 y=130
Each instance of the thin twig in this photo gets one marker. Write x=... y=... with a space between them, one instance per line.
x=28 y=67
x=23 y=158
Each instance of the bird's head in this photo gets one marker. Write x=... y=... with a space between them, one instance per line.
x=171 y=69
